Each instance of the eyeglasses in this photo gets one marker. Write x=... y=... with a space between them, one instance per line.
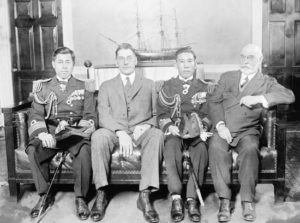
x=128 y=59
x=247 y=57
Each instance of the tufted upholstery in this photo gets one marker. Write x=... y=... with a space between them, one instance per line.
x=125 y=170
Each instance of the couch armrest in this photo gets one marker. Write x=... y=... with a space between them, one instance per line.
x=268 y=120
x=11 y=138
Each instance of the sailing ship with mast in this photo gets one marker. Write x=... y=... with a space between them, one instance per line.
x=145 y=54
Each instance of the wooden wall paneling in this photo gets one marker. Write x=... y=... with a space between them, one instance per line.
x=277 y=44
x=281 y=46
x=277 y=6
x=36 y=27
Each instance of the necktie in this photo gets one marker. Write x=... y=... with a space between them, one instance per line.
x=244 y=82
x=127 y=85
x=127 y=88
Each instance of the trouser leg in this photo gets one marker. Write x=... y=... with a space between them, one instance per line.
x=151 y=155
x=82 y=168
x=173 y=159
x=199 y=159
x=220 y=162
x=103 y=142
x=39 y=169
x=248 y=161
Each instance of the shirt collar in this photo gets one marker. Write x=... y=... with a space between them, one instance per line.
x=187 y=79
x=250 y=76
x=60 y=79
x=124 y=78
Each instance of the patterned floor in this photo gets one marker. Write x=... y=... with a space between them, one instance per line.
x=122 y=207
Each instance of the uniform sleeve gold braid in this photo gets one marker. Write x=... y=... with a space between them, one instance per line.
x=51 y=99
x=163 y=122
x=35 y=126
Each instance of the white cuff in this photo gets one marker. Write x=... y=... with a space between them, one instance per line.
x=264 y=102
x=219 y=123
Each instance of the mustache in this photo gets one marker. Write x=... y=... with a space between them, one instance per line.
x=245 y=66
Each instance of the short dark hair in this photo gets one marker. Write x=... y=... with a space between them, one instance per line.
x=125 y=46
x=63 y=50
x=185 y=50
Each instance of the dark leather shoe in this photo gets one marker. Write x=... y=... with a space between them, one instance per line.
x=49 y=200
x=224 y=211
x=248 y=211
x=193 y=210
x=82 y=210
x=177 y=210
x=98 y=209
x=143 y=203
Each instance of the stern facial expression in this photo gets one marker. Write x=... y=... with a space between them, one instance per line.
x=250 y=59
x=126 y=61
x=63 y=65
x=186 y=65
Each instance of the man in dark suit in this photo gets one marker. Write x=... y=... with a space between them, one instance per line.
x=180 y=98
x=59 y=102
x=235 y=108
x=127 y=117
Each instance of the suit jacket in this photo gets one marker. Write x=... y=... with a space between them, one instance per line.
x=241 y=120
x=117 y=114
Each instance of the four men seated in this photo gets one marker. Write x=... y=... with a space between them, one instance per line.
x=181 y=118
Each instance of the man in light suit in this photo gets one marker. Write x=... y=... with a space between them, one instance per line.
x=127 y=116
x=235 y=108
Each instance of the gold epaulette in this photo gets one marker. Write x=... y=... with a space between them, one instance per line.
x=90 y=85
x=37 y=85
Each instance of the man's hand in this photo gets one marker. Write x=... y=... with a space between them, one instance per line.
x=125 y=143
x=89 y=130
x=205 y=135
x=250 y=101
x=47 y=140
x=174 y=130
x=139 y=130
x=89 y=125
x=61 y=126
x=224 y=133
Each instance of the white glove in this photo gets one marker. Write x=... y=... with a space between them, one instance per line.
x=47 y=140
x=174 y=130
x=205 y=135
x=224 y=133
x=61 y=126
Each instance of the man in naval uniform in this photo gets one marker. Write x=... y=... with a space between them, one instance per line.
x=179 y=99
x=60 y=102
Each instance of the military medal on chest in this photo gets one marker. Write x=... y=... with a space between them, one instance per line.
x=76 y=95
x=63 y=87
x=198 y=98
x=185 y=88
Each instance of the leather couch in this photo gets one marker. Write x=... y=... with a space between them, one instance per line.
x=126 y=170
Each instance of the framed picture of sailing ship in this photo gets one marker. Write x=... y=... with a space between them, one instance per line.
x=215 y=29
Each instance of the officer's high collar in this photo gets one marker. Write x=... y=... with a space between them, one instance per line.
x=185 y=79
x=65 y=80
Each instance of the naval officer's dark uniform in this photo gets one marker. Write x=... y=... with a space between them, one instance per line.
x=53 y=102
x=176 y=99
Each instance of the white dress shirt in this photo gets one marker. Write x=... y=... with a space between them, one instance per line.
x=131 y=78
